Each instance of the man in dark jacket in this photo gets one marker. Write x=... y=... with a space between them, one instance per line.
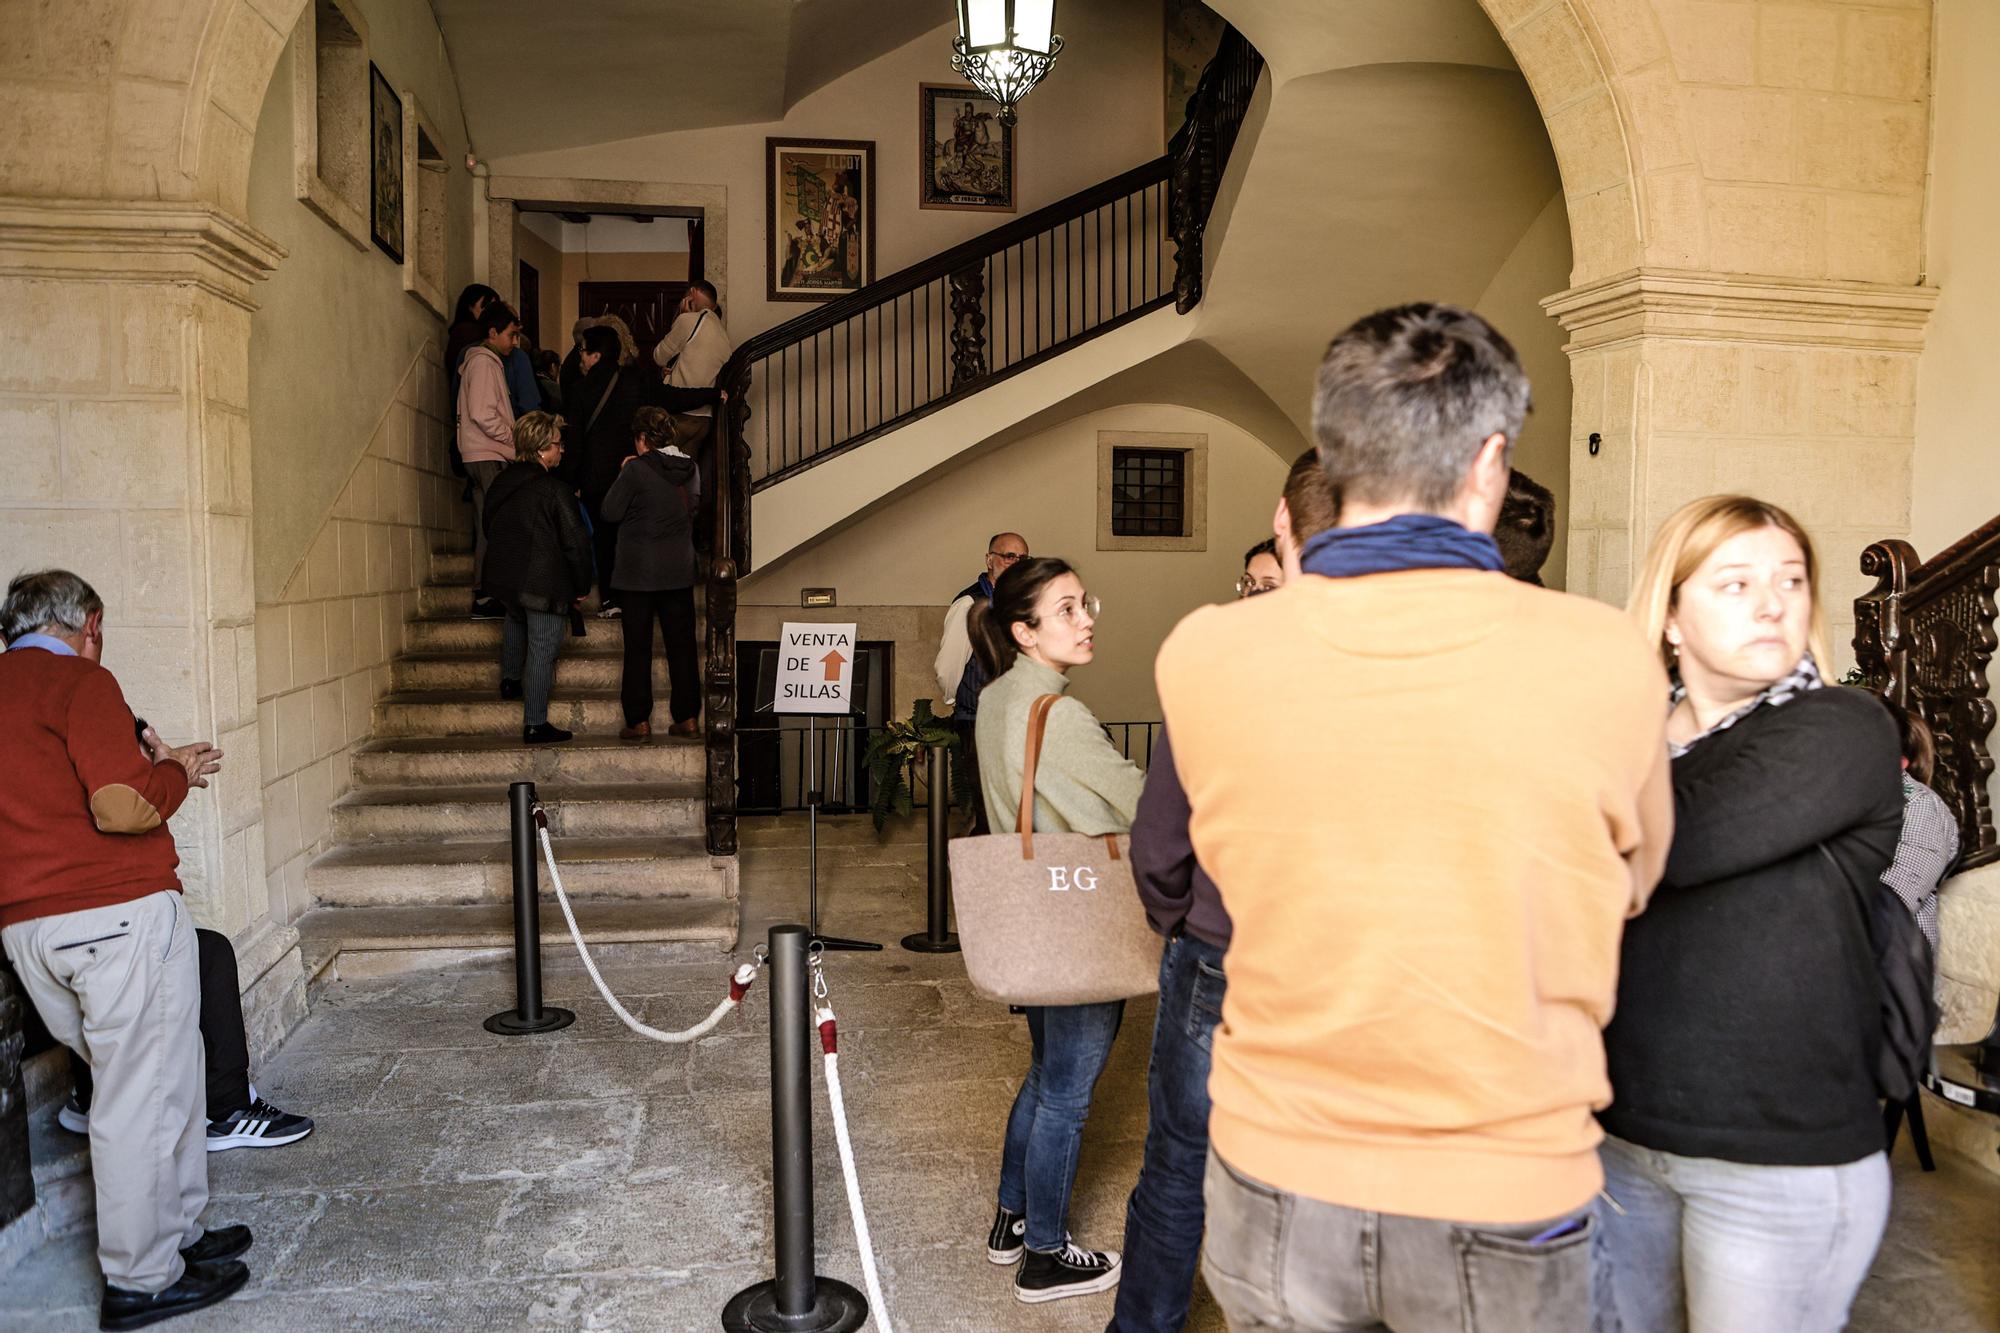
x=538 y=564
x=654 y=502
x=599 y=413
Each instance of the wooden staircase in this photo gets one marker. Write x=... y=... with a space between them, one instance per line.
x=421 y=859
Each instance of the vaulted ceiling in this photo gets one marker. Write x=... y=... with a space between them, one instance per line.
x=534 y=77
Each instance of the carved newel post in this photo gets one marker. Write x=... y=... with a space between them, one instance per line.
x=968 y=327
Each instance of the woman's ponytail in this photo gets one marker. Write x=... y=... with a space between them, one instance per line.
x=991 y=624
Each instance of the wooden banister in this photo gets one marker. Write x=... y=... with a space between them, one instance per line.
x=1924 y=638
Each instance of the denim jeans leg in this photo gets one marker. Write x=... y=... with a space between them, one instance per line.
x=1163 y=1218
x=545 y=636
x=1076 y=1043
x=513 y=643
x=1637 y=1251
x=1778 y=1249
x=1020 y=1120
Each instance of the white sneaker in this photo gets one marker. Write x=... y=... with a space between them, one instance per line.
x=73 y=1117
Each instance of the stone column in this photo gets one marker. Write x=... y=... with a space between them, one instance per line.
x=124 y=401
x=1796 y=391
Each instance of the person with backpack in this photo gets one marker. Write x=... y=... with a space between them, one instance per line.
x=1746 y=1186
x=653 y=504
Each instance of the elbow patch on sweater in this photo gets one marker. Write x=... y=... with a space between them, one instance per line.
x=121 y=809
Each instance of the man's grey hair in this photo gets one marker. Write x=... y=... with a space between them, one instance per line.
x=48 y=601
x=1405 y=397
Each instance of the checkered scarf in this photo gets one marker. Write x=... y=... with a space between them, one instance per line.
x=1805 y=676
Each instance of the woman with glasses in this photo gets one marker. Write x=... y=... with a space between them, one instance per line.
x=1039 y=625
x=1262 y=570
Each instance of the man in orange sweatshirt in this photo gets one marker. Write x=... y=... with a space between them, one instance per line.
x=1430 y=796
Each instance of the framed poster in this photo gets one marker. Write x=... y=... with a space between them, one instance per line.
x=819 y=217
x=968 y=155
x=385 y=165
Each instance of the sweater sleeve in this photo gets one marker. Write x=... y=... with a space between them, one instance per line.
x=575 y=544
x=1090 y=760
x=128 y=792
x=954 y=649
x=1810 y=771
x=1162 y=852
x=619 y=498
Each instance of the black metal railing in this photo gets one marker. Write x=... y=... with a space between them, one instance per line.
x=845 y=785
x=938 y=331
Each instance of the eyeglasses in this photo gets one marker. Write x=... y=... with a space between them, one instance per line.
x=1006 y=557
x=1070 y=612
x=1254 y=587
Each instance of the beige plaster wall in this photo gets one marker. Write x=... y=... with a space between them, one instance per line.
x=335 y=332
x=921 y=548
x=324 y=644
x=1956 y=487
x=1513 y=303
x=1096 y=115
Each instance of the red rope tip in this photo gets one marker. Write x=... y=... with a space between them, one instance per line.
x=829 y=1038
x=738 y=989
x=541 y=818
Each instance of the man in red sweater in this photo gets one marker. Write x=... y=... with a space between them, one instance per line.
x=92 y=920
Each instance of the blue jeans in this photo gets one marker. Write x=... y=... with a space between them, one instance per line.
x=1163 y=1219
x=1071 y=1044
x=1726 y=1247
x=528 y=644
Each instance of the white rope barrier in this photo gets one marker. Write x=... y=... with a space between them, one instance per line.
x=739 y=984
x=830 y=1045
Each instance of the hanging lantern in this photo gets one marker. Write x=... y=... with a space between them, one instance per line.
x=1004 y=47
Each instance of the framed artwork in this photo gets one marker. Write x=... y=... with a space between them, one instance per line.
x=968 y=155
x=385 y=165
x=819 y=217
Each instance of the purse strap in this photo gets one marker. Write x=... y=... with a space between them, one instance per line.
x=1038 y=722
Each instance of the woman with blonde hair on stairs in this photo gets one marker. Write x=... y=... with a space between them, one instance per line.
x=1745 y=1179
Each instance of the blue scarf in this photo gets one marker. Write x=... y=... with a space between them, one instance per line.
x=1407 y=541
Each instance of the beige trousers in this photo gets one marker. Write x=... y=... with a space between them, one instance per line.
x=120 y=986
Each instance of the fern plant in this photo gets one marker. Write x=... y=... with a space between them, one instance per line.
x=892 y=758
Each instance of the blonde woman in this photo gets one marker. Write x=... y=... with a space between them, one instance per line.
x=538 y=565
x=1744 y=1155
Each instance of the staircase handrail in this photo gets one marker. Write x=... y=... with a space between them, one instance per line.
x=1924 y=637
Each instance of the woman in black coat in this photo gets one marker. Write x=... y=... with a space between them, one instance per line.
x=599 y=410
x=1744 y=1156
x=538 y=564
x=653 y=503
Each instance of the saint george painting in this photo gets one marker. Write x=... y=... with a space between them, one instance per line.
x=968 y=155
x=385 y=164
x=819 y=217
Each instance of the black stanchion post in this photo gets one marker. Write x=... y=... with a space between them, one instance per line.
x=936 y=938
x=529 y=1014
x=797 y=1300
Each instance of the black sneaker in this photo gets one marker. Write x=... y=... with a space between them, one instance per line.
x=201 y=1286
x=510 y=689
x=1008 y=1237
x=545 y=734
x=217 y=1243
x=1070 y=1271
x=258 y=1125
x=488 y=608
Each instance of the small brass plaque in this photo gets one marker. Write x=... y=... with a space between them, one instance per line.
x=817 y=597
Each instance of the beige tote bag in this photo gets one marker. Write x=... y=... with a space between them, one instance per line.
x=1051 y=918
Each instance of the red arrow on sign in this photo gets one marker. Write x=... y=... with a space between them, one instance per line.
x=833 y=662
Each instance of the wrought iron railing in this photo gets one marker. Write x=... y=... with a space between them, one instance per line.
x=919 y=340
x=1924 y=637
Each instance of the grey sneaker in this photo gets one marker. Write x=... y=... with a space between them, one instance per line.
x=258 y=1125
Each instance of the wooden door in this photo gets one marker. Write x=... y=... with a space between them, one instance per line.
x=646 y=307
x=531 y=302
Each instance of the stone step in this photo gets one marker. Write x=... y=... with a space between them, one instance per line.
x=404 y=814
x=467 y=713
x=458 y=633
x=452 y=567
x=461 y=761
x=371 y=941
x=406 y=874
x=430 y=672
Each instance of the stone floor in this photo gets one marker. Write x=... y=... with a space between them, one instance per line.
x=589 y=1179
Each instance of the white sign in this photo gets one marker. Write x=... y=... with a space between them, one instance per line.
x=815 y=669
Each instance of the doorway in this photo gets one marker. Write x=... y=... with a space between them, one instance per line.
x=635 y=264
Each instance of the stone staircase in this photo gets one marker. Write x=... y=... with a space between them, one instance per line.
x=420 y=866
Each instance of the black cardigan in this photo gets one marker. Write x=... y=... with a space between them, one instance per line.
x=537 y=551
x=1748 y=997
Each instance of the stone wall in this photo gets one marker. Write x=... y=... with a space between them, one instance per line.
x=323 y=648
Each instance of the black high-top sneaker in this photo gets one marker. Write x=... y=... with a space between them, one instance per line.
x=1070 y=1271
x=1004 y=1242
